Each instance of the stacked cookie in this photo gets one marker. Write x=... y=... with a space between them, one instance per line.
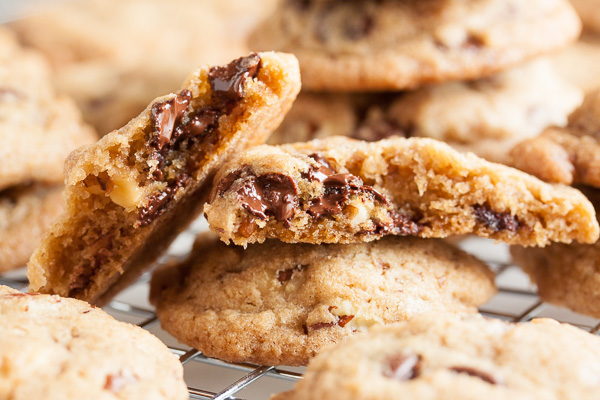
x=566 y=275
x=344 y=206
x=38 y=129
x=497 y=96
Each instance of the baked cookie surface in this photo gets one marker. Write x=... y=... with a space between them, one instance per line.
x=38 y=128
x=365 y=45
x=589 y=12
x=339 y=190
x=488 y=116
x=58 y=348
x=566 y=155
x=25 y=214
x=111 y=58
x=131 y=193
x=279 y=304
x=565 y=275
x=444 y=356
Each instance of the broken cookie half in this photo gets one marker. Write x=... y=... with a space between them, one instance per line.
x=131 y=193
x=339 y=190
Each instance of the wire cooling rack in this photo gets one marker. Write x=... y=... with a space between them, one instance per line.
x=209 y=378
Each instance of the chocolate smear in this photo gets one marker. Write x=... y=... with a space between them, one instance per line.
x=158 y=202
x=484 y=376
x=496 y=221
x=402 y=367
x=337 y=188
x=270 y=194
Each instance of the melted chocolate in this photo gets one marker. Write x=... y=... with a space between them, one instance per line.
x=496 y=221
x=158 y=202
x=484 y=376
x=337 y=188
x=168 y=114
x=271 y=194
x=402 y=367
x=227 y=82
x=175 y=125
x=225 y=183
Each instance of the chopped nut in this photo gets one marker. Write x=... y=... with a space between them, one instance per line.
x=125 y=193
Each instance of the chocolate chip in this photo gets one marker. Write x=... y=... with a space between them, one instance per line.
x=321 y=172
x=337 y=190
x=484 y=376
x=225 y=183
x=496 y=221
x=404 y=225
x=199 y=124
x=402 y=367
x=165 y=116
x=227 y=82
x=158 y=202
x=270 y=194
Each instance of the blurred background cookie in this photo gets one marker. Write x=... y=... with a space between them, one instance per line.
x=379 y=45
x=38 y=129
x=115 y=56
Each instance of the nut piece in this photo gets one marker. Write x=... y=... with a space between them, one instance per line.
x=125 y=193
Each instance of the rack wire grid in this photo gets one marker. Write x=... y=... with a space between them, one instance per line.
x=209 y=378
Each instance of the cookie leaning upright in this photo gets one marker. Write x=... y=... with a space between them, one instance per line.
x=133 y=191
x=339 y=190
x=389 y=44
x=57 y=348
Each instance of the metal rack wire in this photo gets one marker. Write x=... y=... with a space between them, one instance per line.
x=516 y=301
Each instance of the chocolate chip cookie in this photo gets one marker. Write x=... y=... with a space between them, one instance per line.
x=110 y=56
x=57 y=348
x=487 y=116
x=566 y=155
x=38 y=128
x=566 y=275
x=445 y=356
x=131 y=193
x=277 y=303
x=389 y=44
x=26 y=212
x=339 y=190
